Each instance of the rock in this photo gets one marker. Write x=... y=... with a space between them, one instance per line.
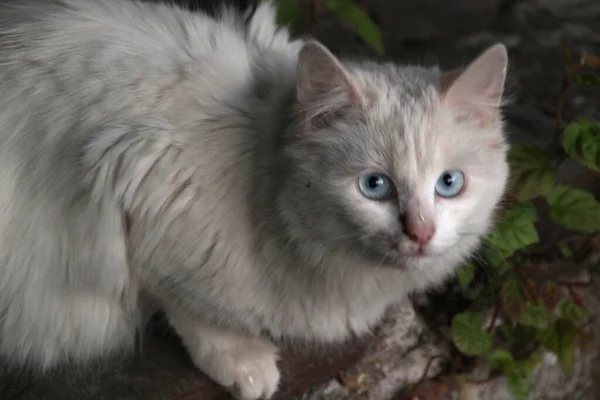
x=550 y=383
x=332 y=390
x=495 y=389
x=405 y=352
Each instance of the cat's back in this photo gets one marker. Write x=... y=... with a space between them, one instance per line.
x=117 y=40
x=93 y=89
x=77 y=66
x=112 y=59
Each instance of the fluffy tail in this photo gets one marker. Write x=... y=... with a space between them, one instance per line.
x=262 y=28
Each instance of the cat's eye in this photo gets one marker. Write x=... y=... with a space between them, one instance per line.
x=376 y=186
x=450 y=183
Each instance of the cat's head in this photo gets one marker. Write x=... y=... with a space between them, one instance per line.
x=403 y=166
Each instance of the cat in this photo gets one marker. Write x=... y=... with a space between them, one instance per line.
x=253 y=186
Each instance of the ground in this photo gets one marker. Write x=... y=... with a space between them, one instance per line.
x=422 y=31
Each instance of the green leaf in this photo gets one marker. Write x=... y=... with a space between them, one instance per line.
x=496 y=259
x=531 y=172
x=535 y=316
x=574 y=209
x=507 y=331
x=501 y=360
x=515 y=230
x=586 y=79
x=518 y=384
x=466 y=274
x=519 y=336
x=468 y=335
x=291 y=13
x=359 y=21
x=565 y=250
x=513 y=298
x=560 y=339
x=527 y=365
x=568 y=309
x=581 y=141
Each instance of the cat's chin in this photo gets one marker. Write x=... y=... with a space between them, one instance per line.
x=412 y=260
x=420 y=259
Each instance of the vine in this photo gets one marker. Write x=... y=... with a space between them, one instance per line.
x=539 y=311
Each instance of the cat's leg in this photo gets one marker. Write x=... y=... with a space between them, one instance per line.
x=44 y=328
x=246 y=366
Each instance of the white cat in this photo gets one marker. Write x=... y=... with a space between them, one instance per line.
x=254 y=187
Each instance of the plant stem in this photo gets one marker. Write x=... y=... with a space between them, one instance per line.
x=312 y=11
x=528 y=286
x=560 y=104
x=427 y=368
x=495 y=315
x=561 y=101
x=575 y=296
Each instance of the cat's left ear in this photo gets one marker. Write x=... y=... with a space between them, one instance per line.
x=476 y=91
x=323 y=85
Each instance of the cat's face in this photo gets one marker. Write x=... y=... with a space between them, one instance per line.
x=402 y=166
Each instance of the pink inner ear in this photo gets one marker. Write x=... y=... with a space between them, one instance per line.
x=477 y=101
x=324 y=87
x=476 y=92
x=482 y=114
x=321 y=77
x=448 y=78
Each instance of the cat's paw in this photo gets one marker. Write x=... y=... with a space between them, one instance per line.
x=246 y=366
x=250 y=373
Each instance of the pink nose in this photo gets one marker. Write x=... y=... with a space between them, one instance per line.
x=419 y=229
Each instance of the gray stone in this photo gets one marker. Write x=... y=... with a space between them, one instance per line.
x=405 y=352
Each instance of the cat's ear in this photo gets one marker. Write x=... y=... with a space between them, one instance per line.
x=476 y=91
x=323 y=86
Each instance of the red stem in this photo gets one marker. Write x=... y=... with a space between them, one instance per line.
x=575 y=296
x=427 y=367
x=312 y=11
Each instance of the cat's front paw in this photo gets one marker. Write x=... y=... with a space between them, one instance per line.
x=246 y=366
x=250 y=373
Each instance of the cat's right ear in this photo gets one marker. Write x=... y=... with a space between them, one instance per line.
x=323 y=86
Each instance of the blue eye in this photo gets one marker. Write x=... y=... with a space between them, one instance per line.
x=450 y=183
x=375 y=186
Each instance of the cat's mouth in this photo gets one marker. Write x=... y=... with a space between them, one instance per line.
x=400 y=252
x=406 y=249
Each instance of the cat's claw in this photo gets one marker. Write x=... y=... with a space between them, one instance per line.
x=249 y=372
x=256 y=376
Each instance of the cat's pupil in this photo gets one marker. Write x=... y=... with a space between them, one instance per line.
x=375 y=181
x=448 y=179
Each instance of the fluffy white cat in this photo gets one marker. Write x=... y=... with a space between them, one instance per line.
x=254 y=187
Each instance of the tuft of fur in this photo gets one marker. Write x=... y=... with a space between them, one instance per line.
x=210 y=165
